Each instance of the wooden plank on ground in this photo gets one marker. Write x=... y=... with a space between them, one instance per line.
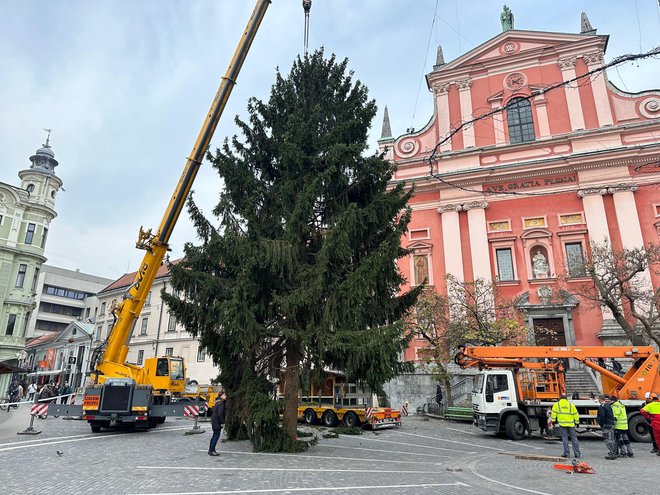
x=537 y=457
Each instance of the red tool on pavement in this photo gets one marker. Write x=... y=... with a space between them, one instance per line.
x=576 y=467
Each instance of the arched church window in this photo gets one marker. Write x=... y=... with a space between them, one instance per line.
x=30 y=188
x=520 y=121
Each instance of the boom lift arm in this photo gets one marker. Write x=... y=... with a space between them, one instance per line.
x=113 y=360
x=642 y=377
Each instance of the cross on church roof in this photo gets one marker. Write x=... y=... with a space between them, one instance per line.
x=47 y=145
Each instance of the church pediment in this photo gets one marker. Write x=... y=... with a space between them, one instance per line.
x=536 y=234
x=419 y=246
x=513 y=43
x=75 y=330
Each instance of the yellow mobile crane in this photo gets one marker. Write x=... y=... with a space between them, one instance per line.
x=124 y=392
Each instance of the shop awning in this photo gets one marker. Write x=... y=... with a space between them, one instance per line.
x=6 y=367
x=45 y=373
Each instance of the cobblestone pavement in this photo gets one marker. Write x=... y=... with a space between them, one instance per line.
x=423 y=457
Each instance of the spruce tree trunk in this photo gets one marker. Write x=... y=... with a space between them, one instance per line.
x=291 y=383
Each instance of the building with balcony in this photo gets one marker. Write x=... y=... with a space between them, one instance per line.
x=26 y=212
x=64 y=296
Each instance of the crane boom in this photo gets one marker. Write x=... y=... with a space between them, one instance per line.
x=469 y=355
x=113 y=360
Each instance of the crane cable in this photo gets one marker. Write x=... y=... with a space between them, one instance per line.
x=307 y=6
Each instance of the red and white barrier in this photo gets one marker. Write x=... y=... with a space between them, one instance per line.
x=191 y=411
x=404 y=409
x=39 y=409
x=368 y=412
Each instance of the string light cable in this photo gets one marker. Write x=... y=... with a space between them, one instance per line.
x=435 y=151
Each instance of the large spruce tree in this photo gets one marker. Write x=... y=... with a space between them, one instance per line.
x=300 y=272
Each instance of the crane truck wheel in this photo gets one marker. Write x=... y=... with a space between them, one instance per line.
x=351 y=419
x=638 y=429
x=310 y=417
x=329 y=418
x=96 y=428
x=515 y=427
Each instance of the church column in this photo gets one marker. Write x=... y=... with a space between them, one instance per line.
x=451 y=240
x=476 y=214
x=441 y=92
x=498 y=121
x=465 y=96
x=567 y=66
x=599 y=89
x=594 y=211
x=540 y=103
x=626 y=216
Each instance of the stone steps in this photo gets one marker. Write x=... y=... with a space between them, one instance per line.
x=580 y=381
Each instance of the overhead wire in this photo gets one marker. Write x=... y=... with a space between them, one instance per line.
x=552 y=87
x=434 y=152
x=458 y=28
x=428 y=45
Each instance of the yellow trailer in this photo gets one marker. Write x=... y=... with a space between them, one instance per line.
x=328 y=415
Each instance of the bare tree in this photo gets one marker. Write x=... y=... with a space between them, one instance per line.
x=472 y=312
x=622 y=284
x=428 y=319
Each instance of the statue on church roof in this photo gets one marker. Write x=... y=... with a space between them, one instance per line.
x=585 y=25
x=507 y=19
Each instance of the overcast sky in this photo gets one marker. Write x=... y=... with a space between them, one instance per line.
x=125 y=86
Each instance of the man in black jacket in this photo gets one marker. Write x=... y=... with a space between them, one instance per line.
x=217 y=421
x=605 y=418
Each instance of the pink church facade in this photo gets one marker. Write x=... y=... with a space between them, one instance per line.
x=522 y=193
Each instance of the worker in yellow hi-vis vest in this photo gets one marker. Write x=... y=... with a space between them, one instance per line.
x=564 y=413
x=651 y=411
x=621 y=427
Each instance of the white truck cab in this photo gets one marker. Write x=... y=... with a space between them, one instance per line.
x=496 y=405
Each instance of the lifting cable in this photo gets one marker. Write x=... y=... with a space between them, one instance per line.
x=307 y=6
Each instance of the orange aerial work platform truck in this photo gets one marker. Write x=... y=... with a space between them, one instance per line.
x=517 y=385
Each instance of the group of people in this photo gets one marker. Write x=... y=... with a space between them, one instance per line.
x=19 y=391
x=614 y=365
x=613 y=420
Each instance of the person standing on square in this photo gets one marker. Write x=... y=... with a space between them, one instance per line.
x=217 y=422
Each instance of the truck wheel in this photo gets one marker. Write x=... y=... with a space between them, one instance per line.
x=515 y=428
x=329 y=418
x=351 y=420
x=161 y=420
x=96 y=428
x=638 y=429
x=310 y=417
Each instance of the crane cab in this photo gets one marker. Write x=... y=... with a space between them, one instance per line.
x=166 y=374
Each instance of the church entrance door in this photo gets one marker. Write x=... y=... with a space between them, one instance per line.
x=549 y=332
